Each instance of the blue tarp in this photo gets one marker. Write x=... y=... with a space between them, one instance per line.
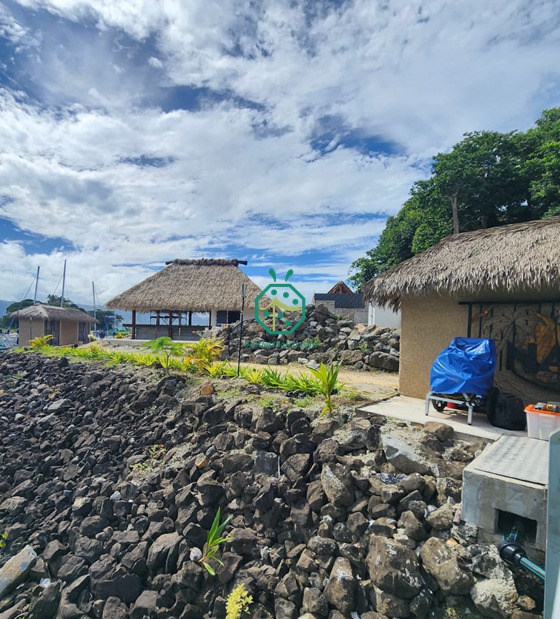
x=465 y=366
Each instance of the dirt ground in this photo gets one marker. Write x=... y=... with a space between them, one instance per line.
x=374 y=385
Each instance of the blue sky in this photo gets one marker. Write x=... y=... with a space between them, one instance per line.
x=278 y=132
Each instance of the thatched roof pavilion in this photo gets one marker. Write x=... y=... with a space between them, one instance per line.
x=502 y=283
x=520 y=259
x=67 y=325
x=188 y=286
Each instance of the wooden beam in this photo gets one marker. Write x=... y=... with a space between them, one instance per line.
x=133 y=324
x=170 y=329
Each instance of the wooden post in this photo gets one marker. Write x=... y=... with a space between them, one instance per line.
x=210 y=319
x=190 y=318
x=170 y=328
x=133 y=324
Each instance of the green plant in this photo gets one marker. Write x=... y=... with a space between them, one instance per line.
x=120 y=335
x=215 y=370
x=238 y=602
x=252 y=375
x=272 y=378
x=302 y=383
x=164 y=348
x=204 y=352
x=40 y=342
x=213 y=542
x=155 y=454
x=304 y=402
x=328 y=383
x=3 y=537
x=363 y=346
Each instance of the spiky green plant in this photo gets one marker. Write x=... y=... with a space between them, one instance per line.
x=327 y=378
x=214 y=540
x=272 y=378
x=252 y=375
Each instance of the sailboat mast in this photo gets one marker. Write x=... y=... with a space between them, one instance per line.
x=63 y=285
x=36 y=285
x=93 y=293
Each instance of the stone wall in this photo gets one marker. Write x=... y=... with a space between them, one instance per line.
x=321 y=338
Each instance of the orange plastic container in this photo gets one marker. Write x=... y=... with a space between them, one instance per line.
x=540 y=423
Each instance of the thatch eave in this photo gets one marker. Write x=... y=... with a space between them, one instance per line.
x=520 y=260
x=41 y=311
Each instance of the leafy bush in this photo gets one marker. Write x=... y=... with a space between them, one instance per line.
x=40 y=342
x=238 y=602
x=204 y=352
x=252 y=375
x=272 y=378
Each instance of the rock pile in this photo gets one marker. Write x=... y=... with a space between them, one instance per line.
x=322 y=337
x=113 y=477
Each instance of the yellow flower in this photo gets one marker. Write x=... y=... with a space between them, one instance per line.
x=238 y=602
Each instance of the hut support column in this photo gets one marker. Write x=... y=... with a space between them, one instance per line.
x=170 y=330
x=133 y=324
x=190 y=319
x=210 y=319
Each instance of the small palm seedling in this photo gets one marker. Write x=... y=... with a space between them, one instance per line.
x=214 y=540
x=238 y=602
x=327 y=378
x=165 y=348
x=204 y=352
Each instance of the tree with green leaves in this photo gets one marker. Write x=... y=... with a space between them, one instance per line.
x=487 y=179
x=7 y=322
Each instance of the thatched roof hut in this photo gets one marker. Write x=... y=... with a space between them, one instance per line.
x=190 y=285
x=501 y=283
x=518 y=259
x=51 y=312
x=67 y=325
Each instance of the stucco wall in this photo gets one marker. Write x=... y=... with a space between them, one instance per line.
x=382 y=317
x=427 y=326
x=353 y=313
x=68 y=333
x=30 y=329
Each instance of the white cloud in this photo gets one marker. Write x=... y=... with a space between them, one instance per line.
x=240 y=171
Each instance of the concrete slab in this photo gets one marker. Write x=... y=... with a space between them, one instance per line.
x=412 y=409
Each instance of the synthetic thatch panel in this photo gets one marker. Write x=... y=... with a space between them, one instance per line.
x=518 y=258
x=51 y=312
x=190 y=285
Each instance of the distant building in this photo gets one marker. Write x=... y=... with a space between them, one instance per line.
x=341 y=301
x=183 y=288
x=67 y=325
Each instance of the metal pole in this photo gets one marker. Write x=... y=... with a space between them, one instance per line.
x=36 y=285
x=63 y=285
x=241 y=329
x=94 y=310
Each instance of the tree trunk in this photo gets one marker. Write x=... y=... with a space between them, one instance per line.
x=453 y=199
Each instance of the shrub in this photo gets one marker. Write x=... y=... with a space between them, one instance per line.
x=40 y=342
x=238 y=602
x=204 y=352
x=164 y=348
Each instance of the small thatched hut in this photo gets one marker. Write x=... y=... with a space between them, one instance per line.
x=184 y=287
x=502 y=283
x=67 y=325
